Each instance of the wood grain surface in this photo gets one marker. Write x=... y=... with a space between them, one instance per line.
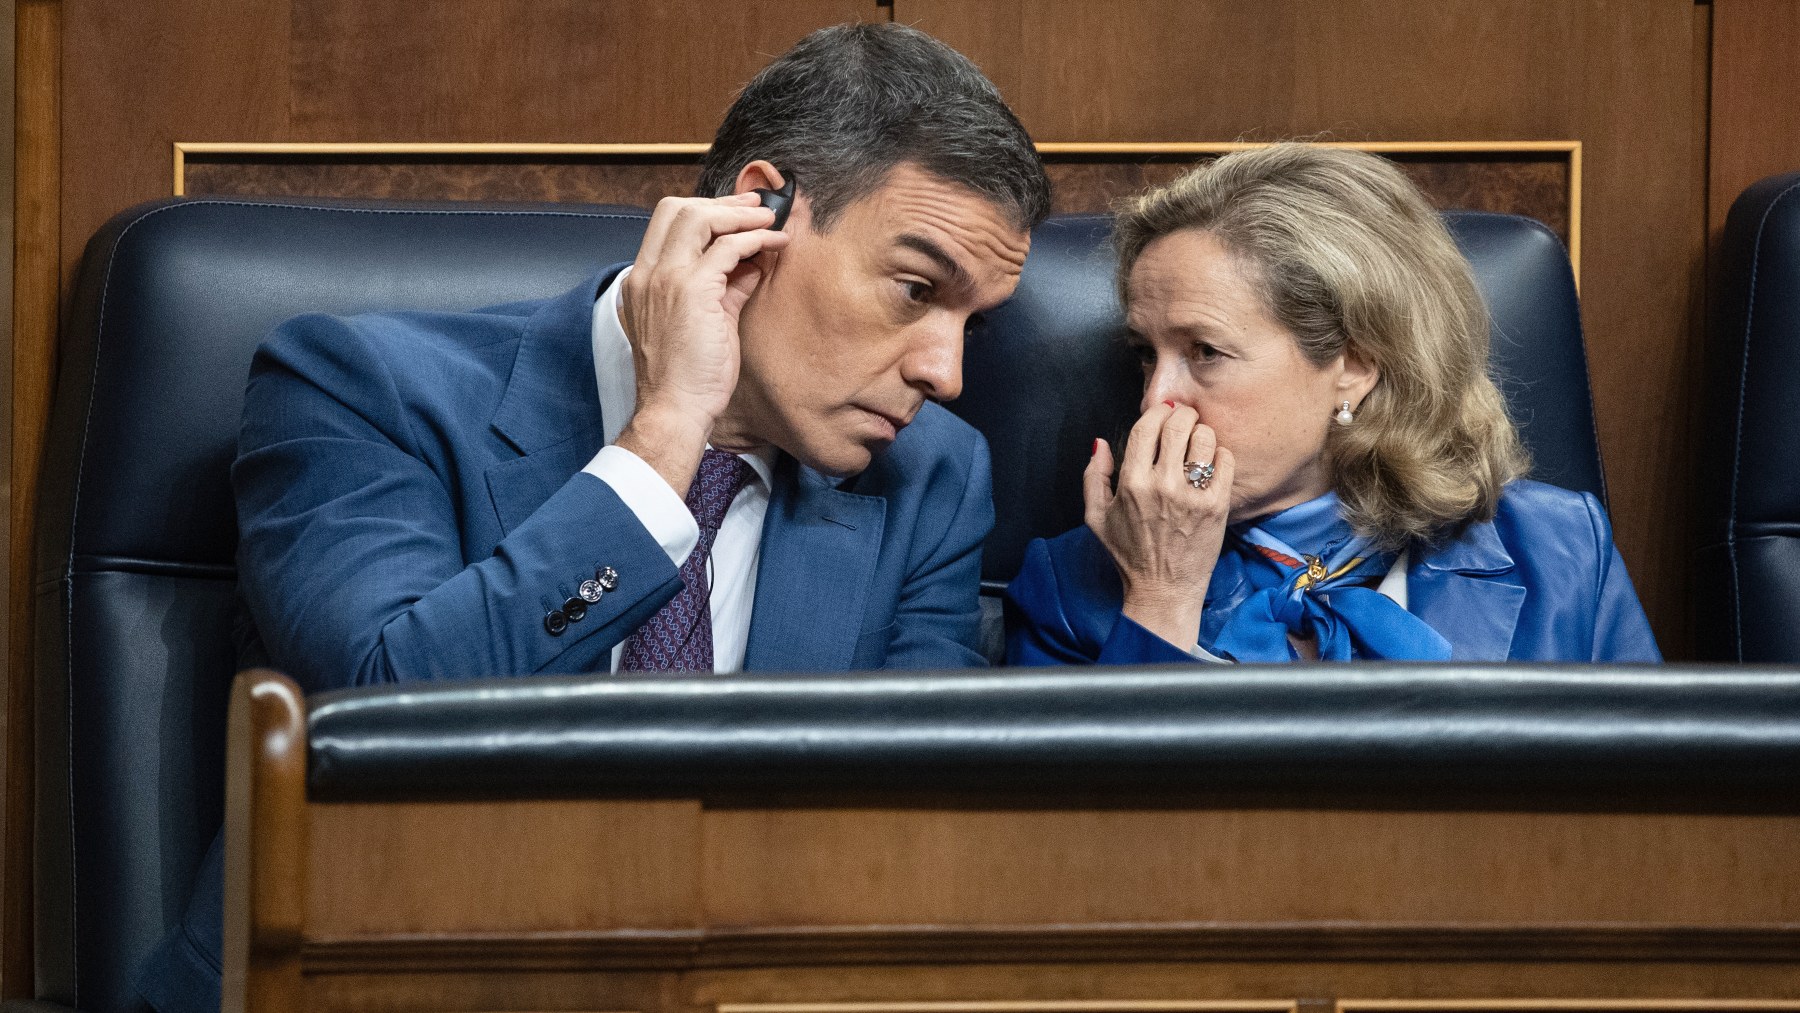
x=1755 y=130
x=265 y=846
x=499 y=867
x=36 y=296
x=613 y=950
x=868 y=867
x=686 y=908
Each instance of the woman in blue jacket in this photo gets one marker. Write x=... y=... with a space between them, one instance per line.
x=1323 y=468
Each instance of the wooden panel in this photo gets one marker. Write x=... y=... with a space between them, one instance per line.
x=1755 y=126
x=613 y=950
x=38 y=50
x=640 y=182
x=499 y=867
x=1077 y=872
x=452 y=70
x=265 y=846
x=1312 y=982
x=847 y=867
x=535 y=70
x=1541 y=184
x=1613 y=74
x=1315 y=983
x=149 y=73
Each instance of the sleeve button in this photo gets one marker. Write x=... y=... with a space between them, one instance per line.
x=607 y=578
x=555 y=623
x=590 y=591
x=575 y=609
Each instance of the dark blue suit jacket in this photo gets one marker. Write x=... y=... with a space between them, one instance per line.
x=1540 y=582
x=411 y=504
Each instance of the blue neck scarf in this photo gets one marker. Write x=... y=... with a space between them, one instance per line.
x=1269 y=589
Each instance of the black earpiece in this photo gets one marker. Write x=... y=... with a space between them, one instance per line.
x=779 y=201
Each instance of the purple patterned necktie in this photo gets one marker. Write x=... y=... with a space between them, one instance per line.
x=679 y=638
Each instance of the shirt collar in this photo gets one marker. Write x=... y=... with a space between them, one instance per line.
x=615 y=377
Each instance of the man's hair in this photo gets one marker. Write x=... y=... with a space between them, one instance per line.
x=847 y=104
x=1349 y=257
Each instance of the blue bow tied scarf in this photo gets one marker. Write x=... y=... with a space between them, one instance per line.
x=1263 y=589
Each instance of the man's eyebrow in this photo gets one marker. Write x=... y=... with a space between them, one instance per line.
x=959 y=276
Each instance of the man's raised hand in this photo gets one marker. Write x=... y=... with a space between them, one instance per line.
x=680 y=306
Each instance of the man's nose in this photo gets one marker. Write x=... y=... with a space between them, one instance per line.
x=934 y=363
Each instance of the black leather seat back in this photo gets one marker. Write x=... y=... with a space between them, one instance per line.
x=1049 y=371
x=136 y=531
x=1747 y=602
x=136 y=528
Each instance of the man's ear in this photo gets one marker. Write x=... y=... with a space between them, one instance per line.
x=1356 y=377
x=775 y=189
x=760 y=174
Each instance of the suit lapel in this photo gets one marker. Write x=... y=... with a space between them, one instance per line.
x=1469 y=592
x=550 y=412
x=820 y=547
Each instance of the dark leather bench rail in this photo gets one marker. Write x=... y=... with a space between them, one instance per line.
x=1064 y=731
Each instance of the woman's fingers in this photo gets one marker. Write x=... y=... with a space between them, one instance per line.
x=1202 y=445
x=1172 y=443
x=1224 y=469
x=1140 y=447
x=1096 y=485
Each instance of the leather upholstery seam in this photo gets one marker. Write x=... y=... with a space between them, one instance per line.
x=1737 y=442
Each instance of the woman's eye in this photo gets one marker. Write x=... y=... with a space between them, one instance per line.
x=1205 y=352
x=916 y=291
x=1146 y=356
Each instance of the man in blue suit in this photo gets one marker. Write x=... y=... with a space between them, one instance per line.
x=728 y=454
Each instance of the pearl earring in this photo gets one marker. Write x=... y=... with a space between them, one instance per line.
x=1343 y=416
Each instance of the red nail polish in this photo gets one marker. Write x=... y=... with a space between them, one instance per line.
x=1171 y=404
x=1096 y=449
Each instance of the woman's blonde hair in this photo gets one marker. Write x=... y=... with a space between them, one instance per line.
x=1351 y=259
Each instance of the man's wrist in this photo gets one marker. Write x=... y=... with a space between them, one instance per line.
x=668 y=441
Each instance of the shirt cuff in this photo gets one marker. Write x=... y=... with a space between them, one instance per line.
x=1202 y=654
x=650 y=499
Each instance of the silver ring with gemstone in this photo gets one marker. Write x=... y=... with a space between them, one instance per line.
x=1198 y=475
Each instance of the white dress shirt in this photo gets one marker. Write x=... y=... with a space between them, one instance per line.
x=738 y=546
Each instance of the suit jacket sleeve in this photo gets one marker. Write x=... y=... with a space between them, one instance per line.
x=1621 y=630
x=1045 y=626
x=937 y=623
x=351 y=553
